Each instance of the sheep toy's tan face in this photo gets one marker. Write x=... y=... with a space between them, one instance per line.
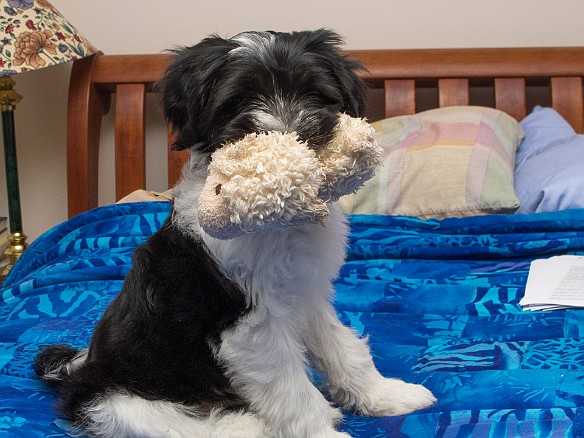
x=272 y=180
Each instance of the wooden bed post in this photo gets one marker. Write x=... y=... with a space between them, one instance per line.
x=86 y=107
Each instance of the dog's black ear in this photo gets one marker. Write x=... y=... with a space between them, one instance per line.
x=352 y=87
x=186 y=87
x=328 y=44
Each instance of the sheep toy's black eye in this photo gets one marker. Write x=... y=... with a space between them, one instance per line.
x=218 y=189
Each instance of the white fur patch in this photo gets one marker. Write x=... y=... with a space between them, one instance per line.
x=255 y=44
x=267 y=121
x=119 y=415
x=276 y=113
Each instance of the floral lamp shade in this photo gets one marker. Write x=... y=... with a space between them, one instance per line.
x=34 y=35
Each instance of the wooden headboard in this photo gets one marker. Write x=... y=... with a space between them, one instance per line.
x=402 y=82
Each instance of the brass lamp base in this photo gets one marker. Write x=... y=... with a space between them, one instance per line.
x=13 y=251
x=8 y=100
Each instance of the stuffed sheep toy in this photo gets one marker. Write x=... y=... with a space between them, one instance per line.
x=271 y=180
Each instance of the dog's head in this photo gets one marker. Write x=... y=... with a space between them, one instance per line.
x=219 y=90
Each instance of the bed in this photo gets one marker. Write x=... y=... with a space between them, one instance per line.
x=437 y=291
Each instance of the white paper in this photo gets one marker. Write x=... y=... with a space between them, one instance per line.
x=555 y=283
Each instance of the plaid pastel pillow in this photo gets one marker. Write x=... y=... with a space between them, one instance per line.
x=446 y=162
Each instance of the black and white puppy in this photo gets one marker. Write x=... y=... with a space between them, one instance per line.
x=211 y=338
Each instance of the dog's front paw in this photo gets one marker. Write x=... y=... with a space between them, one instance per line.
x=388 y=397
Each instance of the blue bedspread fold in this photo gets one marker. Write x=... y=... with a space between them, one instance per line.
x=438 y=299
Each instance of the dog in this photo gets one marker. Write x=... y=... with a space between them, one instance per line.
x=212 y=338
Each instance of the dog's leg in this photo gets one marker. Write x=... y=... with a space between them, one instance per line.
x=352 y=378
x=266 y=363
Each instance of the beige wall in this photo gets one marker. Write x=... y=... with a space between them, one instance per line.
x=145 y=26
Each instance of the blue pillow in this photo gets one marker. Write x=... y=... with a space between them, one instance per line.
x=549 y=168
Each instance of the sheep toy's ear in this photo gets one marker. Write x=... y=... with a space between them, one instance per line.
x=350 y=159
x=260 y=183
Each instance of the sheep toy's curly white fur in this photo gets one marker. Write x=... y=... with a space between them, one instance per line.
x=270 y=180
x=260 y=182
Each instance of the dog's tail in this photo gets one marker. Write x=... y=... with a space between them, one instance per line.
x=55 y=363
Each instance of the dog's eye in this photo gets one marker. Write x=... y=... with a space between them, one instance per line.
x=328 y=101
x=334 y=107
x=218 y=189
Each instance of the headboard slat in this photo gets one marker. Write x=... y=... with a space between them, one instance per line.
x=453 y=92
x=400 y=97
x=567 y=99
x=510 y=96
x=130 y=138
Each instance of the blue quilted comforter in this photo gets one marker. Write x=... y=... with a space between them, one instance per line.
x=439 y=300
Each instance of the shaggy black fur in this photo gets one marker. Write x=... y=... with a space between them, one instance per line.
x=155 y=338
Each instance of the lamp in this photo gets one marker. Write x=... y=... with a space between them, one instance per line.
x=33 y=35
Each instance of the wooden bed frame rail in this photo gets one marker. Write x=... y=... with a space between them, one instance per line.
x=398 y=75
